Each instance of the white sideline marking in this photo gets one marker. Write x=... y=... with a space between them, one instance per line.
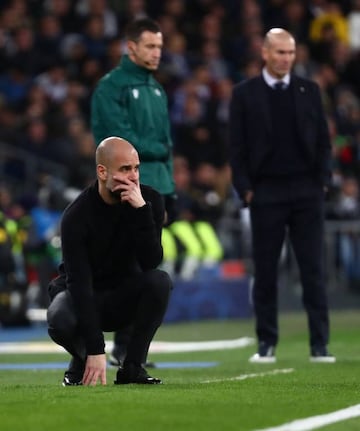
x=36 y=314
x=252 y=375
x=315 y=422
x=155 y=346
x=197 y=346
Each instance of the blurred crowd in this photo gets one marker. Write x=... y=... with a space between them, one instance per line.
x=52 y=53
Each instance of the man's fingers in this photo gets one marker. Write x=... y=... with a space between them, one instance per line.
x=94 y=379
x=86 y=378
x=95 y=370
x=103 y=378
x=91 y=378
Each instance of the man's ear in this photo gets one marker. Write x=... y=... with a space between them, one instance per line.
x=131 y=45
x=101 y=172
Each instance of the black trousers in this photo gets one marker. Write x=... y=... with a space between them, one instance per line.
x=122 y=338
x=303 y=220
x=140 y=301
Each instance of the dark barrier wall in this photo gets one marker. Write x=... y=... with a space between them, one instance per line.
x=210 y=299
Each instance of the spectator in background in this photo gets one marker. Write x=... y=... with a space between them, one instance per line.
x=176 y=63
x=345 y=207
x=249 y=26
x=131 y=10
x=326 y=29
x=304 y=66
x=64 y=11
x=9 y=126
x=193 y=139
x=15 y=14
x=15 y=84
x=37 y=139
x=327 y=79
x=91 y=72
x=37 y=104
x=81 y=166
x=354 y=25
x=340 y=151
x=94 y=38
x=128 y=102
x=191 y=242
x=272 y=13
x=54 y=81
x=25 y=51
x=113 y=53
x=49 y=38
x=331 y=17
x=356 y=153
x=280 y=158
x=13 y=282
x=214 y=60
x=347 y=111
x=176 y=10
x=100 y=8
x=296 y=20
x=218 y=116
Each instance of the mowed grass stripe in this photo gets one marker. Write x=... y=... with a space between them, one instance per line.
x=35 y=400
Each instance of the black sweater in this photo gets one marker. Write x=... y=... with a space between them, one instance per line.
x=286 y=159
x=101 y=245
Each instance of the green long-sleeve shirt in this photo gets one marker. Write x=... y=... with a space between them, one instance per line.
x=129 y=103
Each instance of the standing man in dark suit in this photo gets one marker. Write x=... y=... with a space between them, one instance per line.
x=280 y=158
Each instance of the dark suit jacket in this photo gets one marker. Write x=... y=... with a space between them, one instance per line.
x=250 y=130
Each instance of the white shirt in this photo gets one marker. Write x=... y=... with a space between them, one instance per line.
x=271 y=81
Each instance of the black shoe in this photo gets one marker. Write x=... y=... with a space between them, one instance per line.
x=71 y=381
x=320 y=354
x=73 y=376
x=134 y=374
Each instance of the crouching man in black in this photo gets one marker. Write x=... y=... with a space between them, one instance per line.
x=111 y=245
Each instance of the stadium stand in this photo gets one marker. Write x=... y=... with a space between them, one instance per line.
x=52 y=52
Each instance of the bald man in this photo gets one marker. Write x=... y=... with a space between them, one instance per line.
x=108 y=280
x=280 y=158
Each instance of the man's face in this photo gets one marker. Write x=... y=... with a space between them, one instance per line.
x=147 y=51
x=122 y=169
x=279 y=56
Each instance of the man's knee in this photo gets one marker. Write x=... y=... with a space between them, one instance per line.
x=60 y=315
x=160 y=283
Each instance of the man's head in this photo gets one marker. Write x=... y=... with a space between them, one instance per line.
x=117 y=161
x=278 y=52
x=144 y=42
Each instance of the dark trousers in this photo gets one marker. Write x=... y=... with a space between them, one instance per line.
x=303 y=219
x=122 y=338
x=140 y=301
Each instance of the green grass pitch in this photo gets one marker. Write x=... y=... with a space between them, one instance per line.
x=197 y=398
